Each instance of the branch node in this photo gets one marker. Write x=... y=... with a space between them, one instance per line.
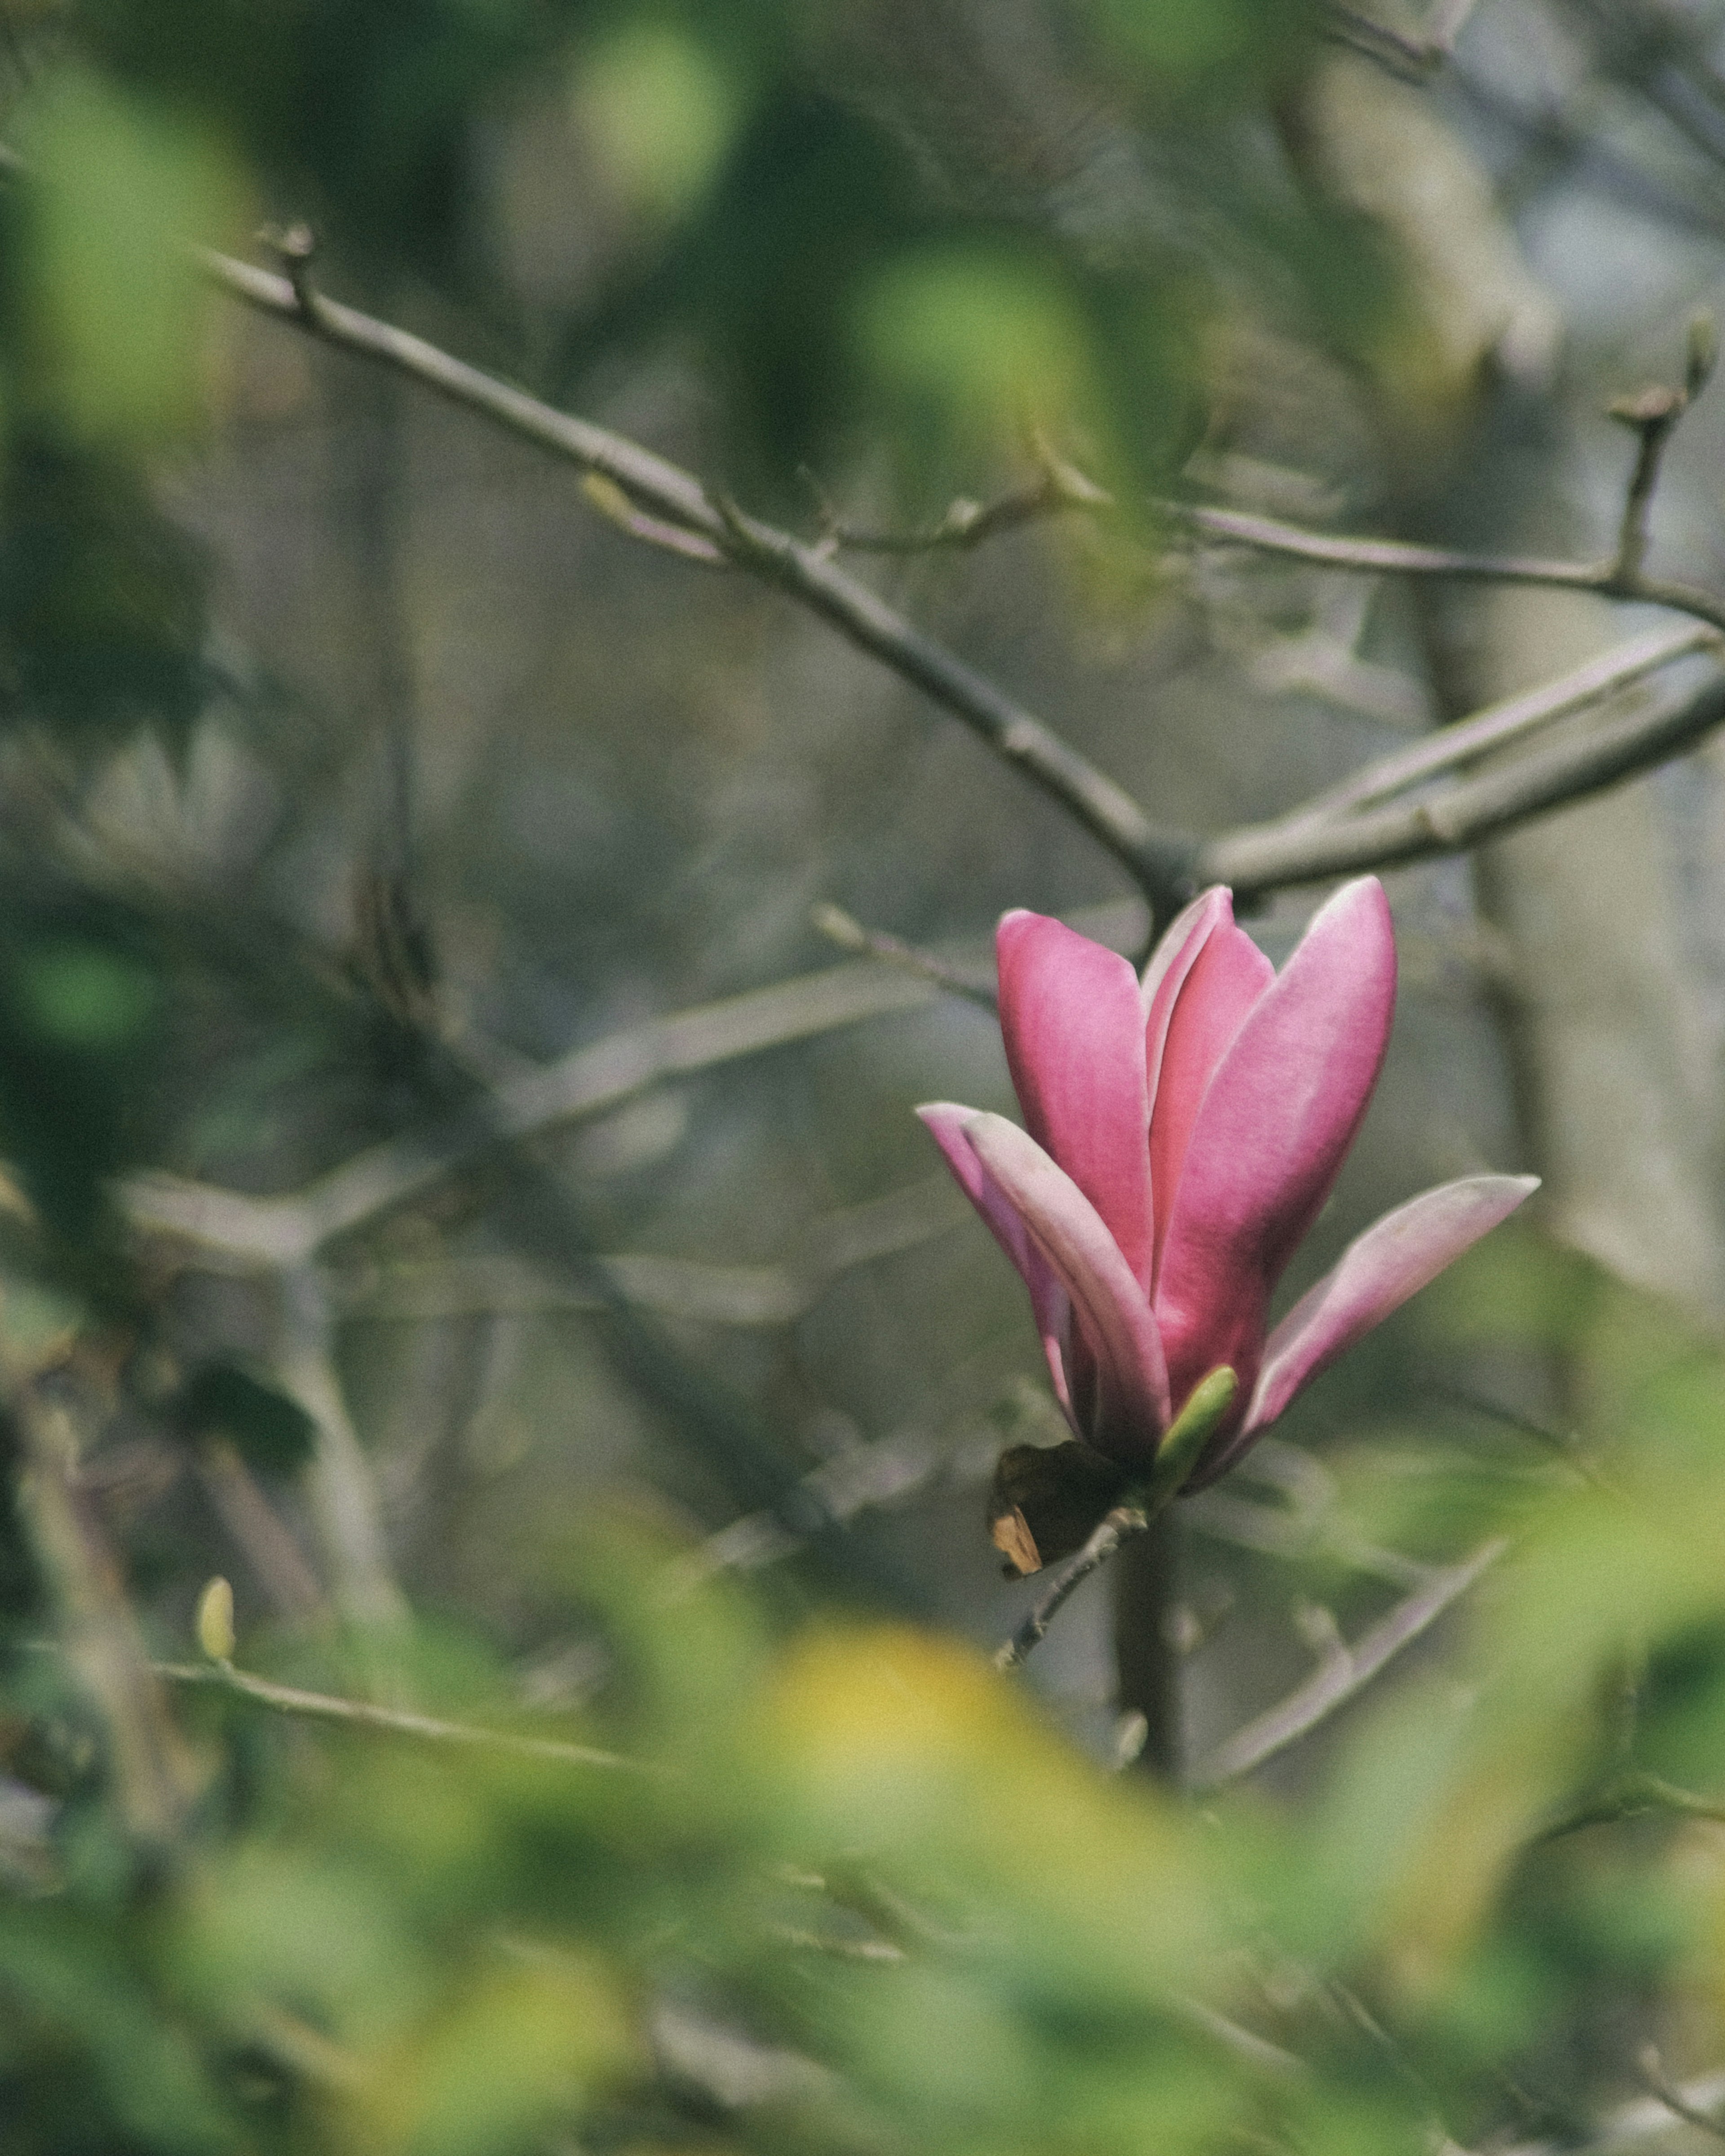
x=295 y=246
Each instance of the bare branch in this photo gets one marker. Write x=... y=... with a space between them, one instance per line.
x=324 y=1706
x=1494 y=728
x=1267 y=857
x=1342 y=1673
x=682 y=1287
x=1651 y=416
x=1059 y=489
x=1167 y=864
x=262 y=1233
x=1268 y=535
x=1120 y=1525
x=1157 y=860
x=849 y=935
x=270 y=1550
x=1643 y=2119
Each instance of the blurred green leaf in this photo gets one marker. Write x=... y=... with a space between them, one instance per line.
x=117 y=319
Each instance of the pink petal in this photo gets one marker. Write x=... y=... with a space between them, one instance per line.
x=1376 y=1274
x=1180 y=943
x=1281 y=1112
x=948 y=1125
x=1131 y=1409
x=1198 y=1011
x=1074 y=1031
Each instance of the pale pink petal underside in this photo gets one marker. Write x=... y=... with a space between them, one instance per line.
x=1108 y=1305
x=1074 y=1031
x=1226 y=978
x=948 y=1126
x=1279 y=1113
x=1376 y=1274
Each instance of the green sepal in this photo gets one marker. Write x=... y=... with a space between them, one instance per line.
x=1190 y=1431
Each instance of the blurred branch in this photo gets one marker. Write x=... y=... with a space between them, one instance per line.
x=1635 y=1795
x=1641 y=2119
x=342 y=1493
x=849 y=935
x=718 y=1294
x=1157 y=860
x=265 y=1232
x=269 y=1548
x=325 y=1706
x=1660 y=2084
x=1343 y=1671
x=1412 y=60
x=1665 y=56
x=154 y=1776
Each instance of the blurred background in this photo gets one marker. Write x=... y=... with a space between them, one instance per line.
x=356 y=770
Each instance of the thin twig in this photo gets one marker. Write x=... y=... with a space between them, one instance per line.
x=1268 y=535
x=1493 y=729
x=1165 y=864
x=849 y=935
x=1266 y=857
x=270 y=1232
x=365 y=1714
x=1059 y=489
x=1120 y=1525
x=1342 y=1675
x=1157 y=860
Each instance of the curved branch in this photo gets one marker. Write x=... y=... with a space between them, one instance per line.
x=1261 y=858
x=1343 y=1672
x=658 y=501
x=1158 y=861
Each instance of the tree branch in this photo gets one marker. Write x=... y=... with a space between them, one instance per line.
x=1343 y=1672
x=840 y=927
x=1265 y=857
x=1608 y=579
x=636 y=488
x=1059 y=488
x=1464 y=741
x=325 y=1706
x=1119 y=1525
x=268 y=1232
x=1157 y=860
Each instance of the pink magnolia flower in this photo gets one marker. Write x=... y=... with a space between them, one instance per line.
x=1184 y=1131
